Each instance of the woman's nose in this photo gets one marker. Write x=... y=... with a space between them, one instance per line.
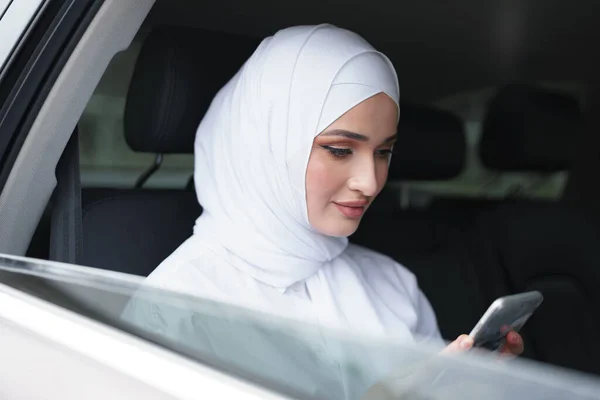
x=364 y=179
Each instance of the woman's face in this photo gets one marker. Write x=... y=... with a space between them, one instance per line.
x=348 y=165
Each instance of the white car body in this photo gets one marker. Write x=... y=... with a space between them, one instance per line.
x=57 y=353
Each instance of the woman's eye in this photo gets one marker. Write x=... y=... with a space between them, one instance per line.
x=384 y=153
x=337 y=152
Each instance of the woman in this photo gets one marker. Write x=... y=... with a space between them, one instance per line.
x=290 y=155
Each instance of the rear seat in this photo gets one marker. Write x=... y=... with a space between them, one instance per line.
x=463 y=258
x=528 y=129
x=543 y=245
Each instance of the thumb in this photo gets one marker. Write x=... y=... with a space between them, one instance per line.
x=462 y=343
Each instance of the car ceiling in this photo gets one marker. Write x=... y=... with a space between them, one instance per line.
x=439 y=47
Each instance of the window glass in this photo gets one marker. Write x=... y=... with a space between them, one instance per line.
x=299 y=360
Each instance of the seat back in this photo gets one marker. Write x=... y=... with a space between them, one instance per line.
x=133 y=231
x=174 y=81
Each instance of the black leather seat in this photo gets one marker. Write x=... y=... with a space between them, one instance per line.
x=177 y=74
x=527 y=129
x=544 y=245
x=133 y=231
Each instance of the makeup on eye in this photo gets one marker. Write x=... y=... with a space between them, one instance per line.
x=338 y=152
x=384 y=153
x=341 y=152
x=341 y=143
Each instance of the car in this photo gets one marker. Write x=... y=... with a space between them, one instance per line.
x=491 y=189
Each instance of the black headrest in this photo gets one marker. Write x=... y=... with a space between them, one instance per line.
x=177 y=74
x=431 y=145
x=528 y=129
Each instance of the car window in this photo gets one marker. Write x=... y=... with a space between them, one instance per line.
x=296 y=359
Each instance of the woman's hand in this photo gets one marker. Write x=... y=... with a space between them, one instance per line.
x=512 y=348
x=409 y=382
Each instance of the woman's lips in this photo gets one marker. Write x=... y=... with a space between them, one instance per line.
x=352 y=209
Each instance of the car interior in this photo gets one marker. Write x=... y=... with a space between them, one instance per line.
x=491 y=188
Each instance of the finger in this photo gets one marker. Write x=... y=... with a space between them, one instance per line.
x=514 y=344
x=462 y=343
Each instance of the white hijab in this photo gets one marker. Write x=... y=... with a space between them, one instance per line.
x=252 y=149
x=253 y=145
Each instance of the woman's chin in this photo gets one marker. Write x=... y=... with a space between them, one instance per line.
x=340 y=227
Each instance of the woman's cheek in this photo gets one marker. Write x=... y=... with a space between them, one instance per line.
x=321 y=178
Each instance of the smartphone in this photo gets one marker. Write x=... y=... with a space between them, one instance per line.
x=506 y=314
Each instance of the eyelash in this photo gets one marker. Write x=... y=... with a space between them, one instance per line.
x=341 y=153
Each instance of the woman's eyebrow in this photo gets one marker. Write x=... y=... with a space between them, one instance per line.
x=354 y=135
x=346 y=134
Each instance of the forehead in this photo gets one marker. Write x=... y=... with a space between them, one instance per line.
x=378 y=115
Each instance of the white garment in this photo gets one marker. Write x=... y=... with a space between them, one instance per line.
x=391 y=289
x=253 y=245
x=252 y=150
